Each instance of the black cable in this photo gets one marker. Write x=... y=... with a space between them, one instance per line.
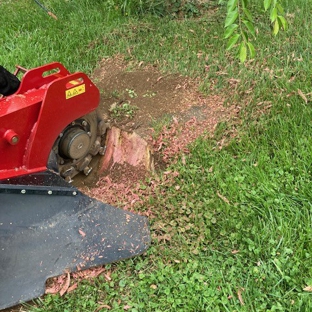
x=45 y=9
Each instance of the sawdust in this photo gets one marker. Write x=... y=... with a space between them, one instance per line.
x=157 y=97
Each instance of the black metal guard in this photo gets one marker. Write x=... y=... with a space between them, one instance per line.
x=42 y=235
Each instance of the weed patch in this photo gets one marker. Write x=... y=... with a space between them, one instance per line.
x=123 y=110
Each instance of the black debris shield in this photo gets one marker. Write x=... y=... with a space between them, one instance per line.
x=47 y=227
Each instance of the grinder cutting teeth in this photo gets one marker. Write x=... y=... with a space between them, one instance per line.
x=77 y=144
x=49 y=132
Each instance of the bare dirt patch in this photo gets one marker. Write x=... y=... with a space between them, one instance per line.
x=169 y=103
x=152 y=94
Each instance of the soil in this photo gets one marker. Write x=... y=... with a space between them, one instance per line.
x=154 y=95
x=154 y=100
x=170 y=103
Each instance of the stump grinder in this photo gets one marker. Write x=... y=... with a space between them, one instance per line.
x=49 y=132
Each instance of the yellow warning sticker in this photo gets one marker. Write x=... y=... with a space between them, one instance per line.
x=75 y=91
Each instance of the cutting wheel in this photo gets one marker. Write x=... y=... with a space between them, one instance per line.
x=76 y=145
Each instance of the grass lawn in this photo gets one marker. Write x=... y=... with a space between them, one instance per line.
x=237 y=234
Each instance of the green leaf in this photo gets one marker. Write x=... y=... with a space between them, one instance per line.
x=276 y=28
x=248 y=14
x=280 y=8
x=250 y=27
x=231 y=5
x=245 y=3
x=242 y=52
x=245 y=36
x=266 y=4
x=229 y=31
x=232 y=41
x=252 y=50
x=283 y=22
x=231 y=18
x=273 y=15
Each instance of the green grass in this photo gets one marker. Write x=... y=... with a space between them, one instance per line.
x=241 y=220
